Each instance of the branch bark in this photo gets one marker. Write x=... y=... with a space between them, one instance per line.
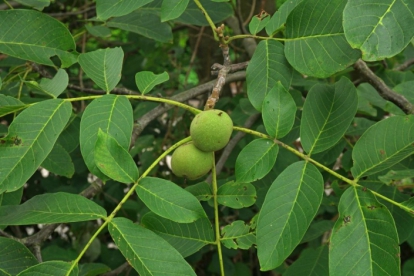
x=383 y=89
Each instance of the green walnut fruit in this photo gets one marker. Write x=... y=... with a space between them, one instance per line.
x=190 y=162
x=211 y=130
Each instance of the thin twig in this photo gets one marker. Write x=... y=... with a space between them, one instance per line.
x=405 y=65
x=193 y=56
x=383 y=89
x=233 y=67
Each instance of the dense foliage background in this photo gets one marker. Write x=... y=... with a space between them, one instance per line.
x=317 y=178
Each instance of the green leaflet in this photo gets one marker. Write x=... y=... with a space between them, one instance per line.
x=30 y=139
x=147 y=253
x=365 y=236
x=14 y=256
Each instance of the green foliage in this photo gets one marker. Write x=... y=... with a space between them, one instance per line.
x=315 y=174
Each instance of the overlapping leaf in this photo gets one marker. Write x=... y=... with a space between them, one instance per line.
x=9 y=105
x=37 y=41
x=383 y=145
x=113 y=115
x=171 y=9
x=53 y=87
x=187 y=238
x=103 y=66
x=59 y=162
x=37 y=4
x=316 y=44
x=217 y=11
x=278 y=112
x=237 y=235
x=279 y=17
x=114 y=160
x=51 y=268
x=236 y=195
x=364 y=240
x=202 y=191
x=289 y=207
x=147 y=80
x=147 y=253
x=30 y=139
x=312 y=262
x=267 y=66
x=106 y=9
x=168 y=200
x=256 y=160
x=144 y=23
x=51 y=208
x=379 y=30
x=327 y=113
x=14 y=256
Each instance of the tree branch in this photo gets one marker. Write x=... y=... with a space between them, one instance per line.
x=182 y=97
x=383 y=89
x=405 y=65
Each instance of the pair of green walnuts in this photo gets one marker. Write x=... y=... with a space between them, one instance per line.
x=210 y=131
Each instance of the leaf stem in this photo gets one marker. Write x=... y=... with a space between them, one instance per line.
x=144 y=98
x=254 y=36
x=8 y=4
x=210 y=22
x=337 y=175
x=124 y=199
x=216 y=217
